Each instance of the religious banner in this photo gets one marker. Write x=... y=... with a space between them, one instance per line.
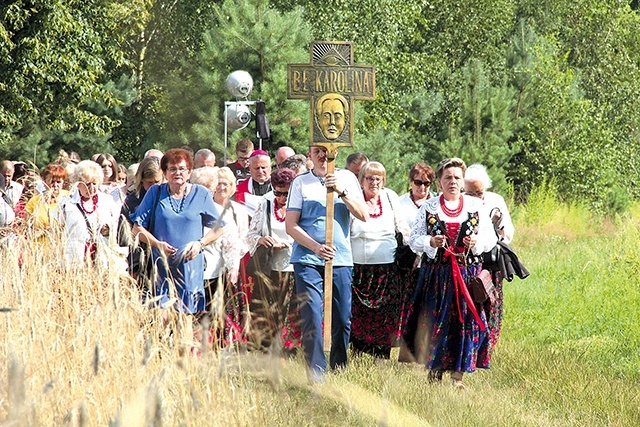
x=331 y=82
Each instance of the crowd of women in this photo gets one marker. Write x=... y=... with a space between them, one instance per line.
x=180 y=235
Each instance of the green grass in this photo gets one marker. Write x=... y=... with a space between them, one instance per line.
x=80 y=350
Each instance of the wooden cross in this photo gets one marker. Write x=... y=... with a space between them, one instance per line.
x=331 y=82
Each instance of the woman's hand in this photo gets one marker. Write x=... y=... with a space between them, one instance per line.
x=270 y=242
x=232 y=276
x=439 y=241
x=105 y=230
x=267 y=241
x=325 y=252
x=192 y=250
x=167 y=249
x=470 y=241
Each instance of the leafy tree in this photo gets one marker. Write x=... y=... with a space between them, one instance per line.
x=163 y=39
x=565 y=137
x=53 y=74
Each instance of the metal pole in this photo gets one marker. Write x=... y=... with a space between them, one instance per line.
x=226 y=105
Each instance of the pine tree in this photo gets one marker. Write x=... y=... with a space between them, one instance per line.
x=482 y=129
x=251 y=36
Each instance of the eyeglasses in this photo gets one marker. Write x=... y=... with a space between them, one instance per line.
x=373 y=179
x=243 y=158
x=421 y=183
x=174 y=170
x=224 y=185
x=280 y=193
x=475 y=193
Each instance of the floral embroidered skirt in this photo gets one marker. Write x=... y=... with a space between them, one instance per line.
x=380 y=302
x=433 y=324
x=494 y=320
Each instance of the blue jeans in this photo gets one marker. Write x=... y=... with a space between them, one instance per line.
x=310 y=289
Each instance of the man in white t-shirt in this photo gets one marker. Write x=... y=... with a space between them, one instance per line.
x=306 y=224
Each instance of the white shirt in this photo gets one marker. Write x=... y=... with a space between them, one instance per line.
x=77 y=234
x=493 y=201
x=409 y=209
x=258 y=228
x=308 y=196
x=7 y=215
x=420 y=242
x=223 y=254
x=374 y=241
x=13 y=192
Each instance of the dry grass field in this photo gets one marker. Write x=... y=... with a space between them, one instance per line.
x=79 y=349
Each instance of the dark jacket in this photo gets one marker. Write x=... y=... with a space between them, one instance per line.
x=503 y=258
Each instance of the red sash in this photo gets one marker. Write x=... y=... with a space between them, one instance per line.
x=461 y=288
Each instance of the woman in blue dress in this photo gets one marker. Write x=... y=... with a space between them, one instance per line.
x=445 y=330
x=171 y=219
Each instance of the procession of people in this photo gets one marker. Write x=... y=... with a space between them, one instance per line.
x=240 y=241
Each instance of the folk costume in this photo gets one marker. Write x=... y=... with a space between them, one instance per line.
x=274 y=299
x=84 y=242
x=445 y=330
x=380 y=292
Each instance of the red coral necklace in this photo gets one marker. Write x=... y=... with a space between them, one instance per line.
x=452 y=212
x=95 y=204
x=277 y=213
x=379 y=209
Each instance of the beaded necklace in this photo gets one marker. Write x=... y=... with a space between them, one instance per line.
x=95 y=204
x=452 y=212
x=376 y=215
x=276 y=208
x=180 y=206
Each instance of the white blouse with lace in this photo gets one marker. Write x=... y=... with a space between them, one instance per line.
x=420 y=242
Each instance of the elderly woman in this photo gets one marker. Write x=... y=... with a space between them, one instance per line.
x=235 y=298
x=89 y=218
x=421 y=176
x=476 y=184
x=39 y=209
x=140 y=260
x=222 y=257
x=273 y=304
x=171 y=219
x=445 y=330
x=378 y=287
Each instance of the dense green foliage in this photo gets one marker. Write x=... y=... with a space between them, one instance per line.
x=543 y=90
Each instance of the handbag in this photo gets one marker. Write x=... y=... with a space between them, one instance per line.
x=482 y=288
x=260 y=261
x=404 y=257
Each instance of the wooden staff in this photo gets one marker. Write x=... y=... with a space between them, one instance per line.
x=328 y=265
